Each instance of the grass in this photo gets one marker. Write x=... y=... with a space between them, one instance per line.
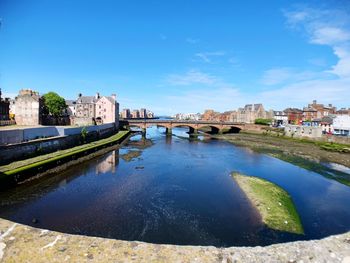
x=328 y=146
x=20 y=166
x=273 y=203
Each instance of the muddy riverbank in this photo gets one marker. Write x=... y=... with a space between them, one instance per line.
x=306 y=154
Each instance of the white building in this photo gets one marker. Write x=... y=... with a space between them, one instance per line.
x=341 y=125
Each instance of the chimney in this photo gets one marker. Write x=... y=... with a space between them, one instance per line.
x=114 y=96
x=79 y=95
x=330 y=105
x=97 y=96
x=314 y=102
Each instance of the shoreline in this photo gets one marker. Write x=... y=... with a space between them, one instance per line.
x=273 y=203
x=28 y=169
x=303 y=153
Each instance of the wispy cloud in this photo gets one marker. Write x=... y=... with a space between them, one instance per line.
x=326 y=27
x=207 y=56
x=192 y=76
x=277 y=76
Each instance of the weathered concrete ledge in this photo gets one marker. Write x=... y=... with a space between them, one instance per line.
x=20 y=243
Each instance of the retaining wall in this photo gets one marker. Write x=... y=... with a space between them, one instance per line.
x=12 y=136
x=65 y=137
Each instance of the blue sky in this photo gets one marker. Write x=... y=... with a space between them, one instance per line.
x=181 y=55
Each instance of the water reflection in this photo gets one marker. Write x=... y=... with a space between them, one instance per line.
x=108 y=163
x=178 y=190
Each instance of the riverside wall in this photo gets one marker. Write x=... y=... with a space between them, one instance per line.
x=21 y=243
x=59 y=138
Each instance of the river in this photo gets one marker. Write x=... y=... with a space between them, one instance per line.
x=176 y=190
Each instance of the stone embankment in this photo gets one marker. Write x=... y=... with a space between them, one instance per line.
x=20 y=243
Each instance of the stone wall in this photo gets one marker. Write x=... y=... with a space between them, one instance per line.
x=297 y=131
x=64 y=138
x=20 y=243
x=12 y=136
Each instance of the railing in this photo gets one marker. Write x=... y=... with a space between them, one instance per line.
x=183 y=121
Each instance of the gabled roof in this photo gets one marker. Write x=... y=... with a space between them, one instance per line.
x=70 y=102
x=86 y=99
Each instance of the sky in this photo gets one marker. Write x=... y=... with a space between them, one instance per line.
x=180 y=55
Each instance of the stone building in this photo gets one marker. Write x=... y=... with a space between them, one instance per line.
x=143 y=113
x=250 y=113
x=71 y=107
x=135 y=114
x=29 y=106
x=107 y=109
x=85 y=110
x=126 y=114
x=90 y=110
x=4 y=108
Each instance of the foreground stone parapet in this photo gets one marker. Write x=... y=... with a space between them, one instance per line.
x=20 y=243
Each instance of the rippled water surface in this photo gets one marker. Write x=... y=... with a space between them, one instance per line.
x=176 y=190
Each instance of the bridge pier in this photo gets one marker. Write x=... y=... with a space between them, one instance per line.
x=143 y=132
x=169 y=131
x=193 y=131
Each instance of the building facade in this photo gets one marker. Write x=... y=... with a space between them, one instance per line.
x=4 y=108
x=295 y=116
x=107 y=109
x=126 y=114
x=341 y=125
x=91 y=110
x=29 y=108
x=250 y=113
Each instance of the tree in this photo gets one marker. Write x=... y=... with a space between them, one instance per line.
x=54 y=104
x=263 y=121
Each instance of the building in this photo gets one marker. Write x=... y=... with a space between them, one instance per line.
x=150 y=114
x=90 y=110
x=295 y=116
x=126 y=114
x=210 y=115
x=71 y=107
x=29 y=107
x=4 y=108
x=135 y=114
x=85 y=110
x=315 y=110
x=309 y=114
x=107 y=109
x=343 y=111
x=250 y=113
x=341 y=125
x=188 y=116
x=280 y=118
x=143 y=113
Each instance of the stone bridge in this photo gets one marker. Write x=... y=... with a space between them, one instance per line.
x=194 y=126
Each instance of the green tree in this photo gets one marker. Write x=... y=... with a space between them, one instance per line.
x=54 y=104
x=263 y=121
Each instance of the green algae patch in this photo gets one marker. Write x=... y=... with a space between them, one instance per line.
x=21 y=166
x=131 y=155
x=273 y=203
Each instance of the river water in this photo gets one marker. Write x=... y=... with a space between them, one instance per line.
x=176 y=190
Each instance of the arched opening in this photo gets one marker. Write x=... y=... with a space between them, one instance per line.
x=209 y=129
x=232 y=129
